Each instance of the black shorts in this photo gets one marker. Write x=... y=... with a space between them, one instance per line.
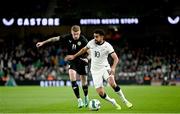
x=80 y=66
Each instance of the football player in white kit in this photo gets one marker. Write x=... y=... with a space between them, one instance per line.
x=100 y=67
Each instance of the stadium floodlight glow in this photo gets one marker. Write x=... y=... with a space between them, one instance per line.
x=8 y=22
x=173 y=21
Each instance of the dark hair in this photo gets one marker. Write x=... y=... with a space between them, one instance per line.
x=100 y=32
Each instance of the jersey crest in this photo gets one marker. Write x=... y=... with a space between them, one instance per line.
x=79 y=43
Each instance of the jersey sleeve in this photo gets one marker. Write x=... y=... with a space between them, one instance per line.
x=84 y=40
x=63 y=38
x=110 y=49
x=89 y=44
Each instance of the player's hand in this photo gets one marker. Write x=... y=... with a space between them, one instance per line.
x=39 y=44
x=69 y=57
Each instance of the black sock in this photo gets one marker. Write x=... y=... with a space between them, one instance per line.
x=85 y=89
x=116 y=89
x=103 y=96
x=75 y=88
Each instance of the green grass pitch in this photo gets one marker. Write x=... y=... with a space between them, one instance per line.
x=33 y=99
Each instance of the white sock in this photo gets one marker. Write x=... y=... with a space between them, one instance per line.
x=108 y=99
x=120 y=93
x=79 y=99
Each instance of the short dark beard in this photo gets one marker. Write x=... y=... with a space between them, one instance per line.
x=98 y=43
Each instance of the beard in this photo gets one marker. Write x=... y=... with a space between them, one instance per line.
x=97 y=42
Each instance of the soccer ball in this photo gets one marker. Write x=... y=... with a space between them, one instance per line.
x=94 y=105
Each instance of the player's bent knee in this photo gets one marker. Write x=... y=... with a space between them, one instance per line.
x=100 y=91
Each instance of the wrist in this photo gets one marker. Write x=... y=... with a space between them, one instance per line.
x=44 y=42
x=75 y=55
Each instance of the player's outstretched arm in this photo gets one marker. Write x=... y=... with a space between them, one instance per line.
x=53 y=39
x=115 y=62
x=71 y=57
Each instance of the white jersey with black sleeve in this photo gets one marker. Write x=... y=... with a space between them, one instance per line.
x=99 y=54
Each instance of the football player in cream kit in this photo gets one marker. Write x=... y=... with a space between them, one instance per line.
x=100 y=67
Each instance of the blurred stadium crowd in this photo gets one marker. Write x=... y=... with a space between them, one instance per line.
x=157 y=59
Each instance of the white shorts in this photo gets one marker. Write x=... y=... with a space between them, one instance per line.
x=98 y=77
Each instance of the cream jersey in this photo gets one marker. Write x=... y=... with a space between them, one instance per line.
x=99 y=54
